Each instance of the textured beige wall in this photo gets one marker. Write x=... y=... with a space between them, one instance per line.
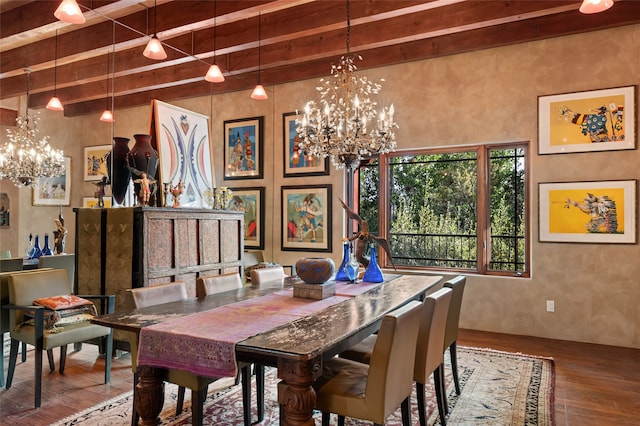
x=481 y=97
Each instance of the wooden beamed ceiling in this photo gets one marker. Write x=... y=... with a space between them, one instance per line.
x=299 y=39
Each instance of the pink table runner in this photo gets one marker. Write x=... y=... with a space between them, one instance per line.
x=204 y=343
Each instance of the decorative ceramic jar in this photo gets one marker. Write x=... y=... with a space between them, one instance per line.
x=117 y=166
x=315 y=270
x=143 y=159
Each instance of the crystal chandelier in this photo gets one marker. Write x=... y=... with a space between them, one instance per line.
x=24 y=158
x=345 y=124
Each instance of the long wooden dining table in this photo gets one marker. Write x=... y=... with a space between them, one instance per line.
x=296 y=347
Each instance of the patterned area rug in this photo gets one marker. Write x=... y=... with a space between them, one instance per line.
x=498 y=388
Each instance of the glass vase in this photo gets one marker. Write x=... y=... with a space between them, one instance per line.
x=341 y=275
x=46 y=249
x=36 y=251
x=373 y=273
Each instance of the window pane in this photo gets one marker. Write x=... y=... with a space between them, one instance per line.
x=370 y=195
x=433 y=210
x=507 y=209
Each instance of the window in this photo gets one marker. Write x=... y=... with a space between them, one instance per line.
x=462 y=209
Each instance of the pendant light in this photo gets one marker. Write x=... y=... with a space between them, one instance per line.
x=154 y=49
x=214 y=75
x=595 y=6
x=54 y=103
x=107 y=114
x=69 y=12
x=259 y=93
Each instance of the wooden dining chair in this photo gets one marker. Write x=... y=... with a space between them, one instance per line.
x=214 y=284
x=429 y=358
x=453 y=319
x=372 y=392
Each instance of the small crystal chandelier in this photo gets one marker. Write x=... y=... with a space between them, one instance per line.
x=345 y=124
x=24 y=158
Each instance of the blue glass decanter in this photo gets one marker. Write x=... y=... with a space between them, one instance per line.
x=35 y=252
x=373 y=273
x=46 y=249
x=341 y=275
x=352 y=268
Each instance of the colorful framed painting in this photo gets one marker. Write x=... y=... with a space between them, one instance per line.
x=95 y=164
x=588 y=212
x=184 y=149
x=92 y=202
x=251 y=202
x=306 y=218
x=243 y=148
x=597 y=120
x=54 y=191
x=296 y=161
x=5 y=209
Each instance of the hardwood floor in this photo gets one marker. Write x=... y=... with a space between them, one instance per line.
x=595 y=384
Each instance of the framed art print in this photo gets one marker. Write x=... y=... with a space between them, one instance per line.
x=296 y=161
x=251 y=202
x=588 y=212
x=95 y=165
x=306 y=218
x=54 y=191
x=597 y=120
x=243 y=148
x=184 y=149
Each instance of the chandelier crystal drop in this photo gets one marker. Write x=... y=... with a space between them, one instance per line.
x=347 y=124
x=24 y=157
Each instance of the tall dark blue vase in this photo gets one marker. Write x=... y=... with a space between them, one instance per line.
x=341 y=275
x=46 y=250
x=35 y=252
x=373 y=273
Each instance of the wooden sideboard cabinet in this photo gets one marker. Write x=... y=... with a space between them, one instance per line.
x=121 y=248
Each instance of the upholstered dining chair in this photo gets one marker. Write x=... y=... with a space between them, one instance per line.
x=214 y=284
x=71 y=325
x=372 y=392
x=429 y=356
x=267 y=274
x=453 y=319
x=60 y=261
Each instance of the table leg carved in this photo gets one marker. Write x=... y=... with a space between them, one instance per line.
x=300 y=397
x=149 y=395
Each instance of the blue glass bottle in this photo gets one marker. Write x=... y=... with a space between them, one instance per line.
x=46 y=250
x=352 y=268
x=341 y=275
x=373 y=273
x=36 y=252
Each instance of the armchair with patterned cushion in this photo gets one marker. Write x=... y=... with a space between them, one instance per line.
x=44 y=314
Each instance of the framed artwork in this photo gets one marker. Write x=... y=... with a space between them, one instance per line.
x=306 y=218
x=93 y=202
x=184 y=149
x=54 y=191
x=296 y=161
x=5 y=208
x=588 y=212
x=95 y=164
x=251 y=202
x=243 y=148
x=597 y=120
